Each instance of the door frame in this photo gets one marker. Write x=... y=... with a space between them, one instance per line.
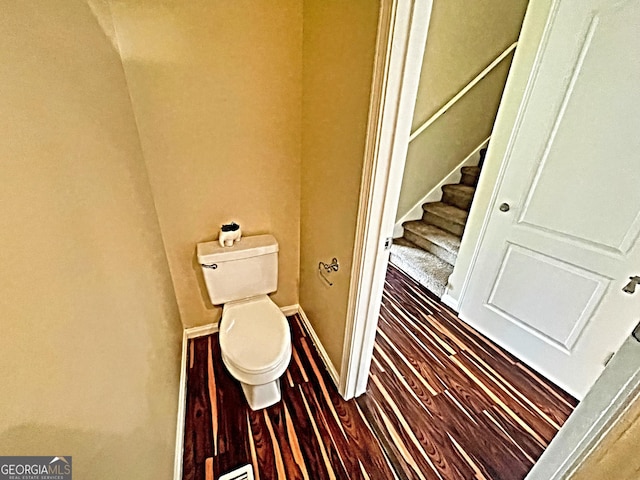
x=400 y=44
x=402 y=34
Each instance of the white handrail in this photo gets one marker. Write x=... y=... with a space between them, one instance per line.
x=462 y=92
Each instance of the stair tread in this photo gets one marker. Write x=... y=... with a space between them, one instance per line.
x=424 y=267
x=444 y=210
x=456 y=187
x=435 y=235
x=470 y=171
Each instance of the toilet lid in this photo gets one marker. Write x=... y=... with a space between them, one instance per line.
x=254 y=334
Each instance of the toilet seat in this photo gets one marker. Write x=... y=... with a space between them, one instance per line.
x=255 y=340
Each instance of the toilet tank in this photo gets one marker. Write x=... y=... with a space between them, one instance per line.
x=247 y=269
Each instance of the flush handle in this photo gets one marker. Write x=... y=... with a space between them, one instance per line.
x=630 y=287
x=211 y=266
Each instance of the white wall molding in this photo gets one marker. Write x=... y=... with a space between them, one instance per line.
x=450 y=301
x=182 y=405
x=435 y=194
x=211 y=328
x=201 y=330
x=187 y=334
x=290 y=310
x=319 y=347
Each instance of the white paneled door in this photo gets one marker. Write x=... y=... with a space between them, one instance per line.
x=562 y=236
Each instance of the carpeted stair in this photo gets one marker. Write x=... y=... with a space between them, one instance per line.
x=429 y=247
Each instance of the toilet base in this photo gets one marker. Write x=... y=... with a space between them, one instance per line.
x=262 y=396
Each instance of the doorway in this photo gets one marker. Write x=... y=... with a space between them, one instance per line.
x=366 y=299
x=467 y=57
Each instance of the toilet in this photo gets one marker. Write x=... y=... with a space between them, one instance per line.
x=255 y=339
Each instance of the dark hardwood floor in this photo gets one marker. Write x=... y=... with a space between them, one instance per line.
x=444 y=402
x=448 y=403
x=312 y=434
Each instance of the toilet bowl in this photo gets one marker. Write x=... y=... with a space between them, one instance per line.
x=255 y=342
x=255 y=339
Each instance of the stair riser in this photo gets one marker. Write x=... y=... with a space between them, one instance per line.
x=457 y=199
x=470 y=180
x=425 y=244
x=443 y=223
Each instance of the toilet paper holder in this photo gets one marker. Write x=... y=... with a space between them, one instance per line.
x=326 y=268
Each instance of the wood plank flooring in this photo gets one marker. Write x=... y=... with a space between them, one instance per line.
x=312 y=434
x=449 y=404
x=444 y=402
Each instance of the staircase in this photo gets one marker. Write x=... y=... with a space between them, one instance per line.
x=427 y=252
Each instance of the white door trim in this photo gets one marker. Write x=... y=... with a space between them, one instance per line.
x=402 y=32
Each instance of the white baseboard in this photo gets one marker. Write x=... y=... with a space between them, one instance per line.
x=209 y=329
x=201 y=331
x=212 y=328
x=290 y=310
x=450 y=302
x=187 y=334
x=318 y=344
x=182 y=406
x=435 y=194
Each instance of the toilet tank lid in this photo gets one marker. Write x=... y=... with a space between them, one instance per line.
x=253 y=246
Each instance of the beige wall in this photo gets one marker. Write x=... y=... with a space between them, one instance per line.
x=464 y=37
x=338 y=53
x=216 y=90
x=90 y=342
x=617 y=456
